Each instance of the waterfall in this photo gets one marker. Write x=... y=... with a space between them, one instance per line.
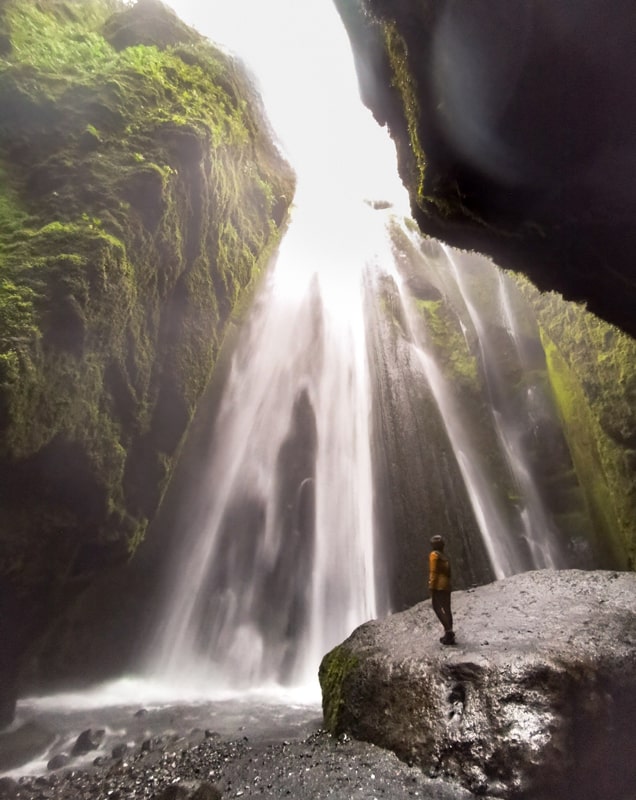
x=539 y=532
x=491 y=521
x=278 y=561
x=510 y=502
x=274 y=556
x=337 y=375
x=277 y=564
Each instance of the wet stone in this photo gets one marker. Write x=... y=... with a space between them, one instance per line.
x=190 y=790
x=314 y=768
x=119 y=751
x=8 y=788
x=58 y=761
x=88 y=740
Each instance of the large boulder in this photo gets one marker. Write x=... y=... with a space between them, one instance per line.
x=536 y=700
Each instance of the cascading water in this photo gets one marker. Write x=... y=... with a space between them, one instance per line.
x=540 y=534
x=510 y=475
x=346 y=433
x=503 y=556
x=277 y=561
x=278 y=565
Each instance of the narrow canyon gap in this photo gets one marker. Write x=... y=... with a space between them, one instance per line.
x=346 y=436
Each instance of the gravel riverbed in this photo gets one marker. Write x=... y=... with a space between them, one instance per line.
x=318 y=766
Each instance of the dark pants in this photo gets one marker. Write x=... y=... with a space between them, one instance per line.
x=441 y=599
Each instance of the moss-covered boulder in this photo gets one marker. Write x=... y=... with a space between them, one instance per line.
x=514 y=132
x=140 y=196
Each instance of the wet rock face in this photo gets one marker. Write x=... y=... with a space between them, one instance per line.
x=514 y=132
x=537 y=699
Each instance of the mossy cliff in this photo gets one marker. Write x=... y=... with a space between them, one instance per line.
x=592 y=369
x=514 y=132
x=140 y=196
x=514 y=143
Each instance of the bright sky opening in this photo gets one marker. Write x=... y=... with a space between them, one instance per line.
x=301 y=57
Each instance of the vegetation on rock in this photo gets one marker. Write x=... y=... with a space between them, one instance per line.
x=140 y=196
x=498 y=366
x=592 y=369
x=335 y=667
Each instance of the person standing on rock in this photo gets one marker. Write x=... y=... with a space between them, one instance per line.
x=439 y=584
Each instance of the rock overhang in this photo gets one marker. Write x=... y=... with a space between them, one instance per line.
x=514 y=133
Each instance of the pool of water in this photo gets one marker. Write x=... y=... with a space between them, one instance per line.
x=131 y=712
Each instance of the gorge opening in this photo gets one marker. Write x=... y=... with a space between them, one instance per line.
x=384 y=388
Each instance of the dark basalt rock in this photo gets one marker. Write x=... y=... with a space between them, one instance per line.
x=8 y=788
x=22 y=744
x=119 y=751
x=514 y=132
x=537 y=699
x=87 y=740
x=58 y=761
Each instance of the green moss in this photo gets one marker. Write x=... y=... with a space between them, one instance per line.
x=140 y=197
x=403 y=81
x=583 y=437
x=336 y=667
x=592 y=370
x=448 y=341
x=54 y=42
x=17 y=316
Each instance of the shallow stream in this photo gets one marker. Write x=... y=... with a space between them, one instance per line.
x=142 y=715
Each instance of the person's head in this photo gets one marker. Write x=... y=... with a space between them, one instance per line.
x=437 y=543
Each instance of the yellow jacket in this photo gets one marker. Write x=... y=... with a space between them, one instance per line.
x=439 y=571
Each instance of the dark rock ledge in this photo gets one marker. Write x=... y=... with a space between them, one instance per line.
x=537 y=699
x=514 y=128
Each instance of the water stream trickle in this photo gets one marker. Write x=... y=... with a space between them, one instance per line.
x=508 y=408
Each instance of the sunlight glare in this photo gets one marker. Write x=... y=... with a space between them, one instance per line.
x=327 y=134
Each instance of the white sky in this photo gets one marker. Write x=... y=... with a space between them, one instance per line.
x=300 y=53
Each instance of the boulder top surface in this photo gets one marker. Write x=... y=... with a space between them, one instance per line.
x=547 y=613
x=535 y=701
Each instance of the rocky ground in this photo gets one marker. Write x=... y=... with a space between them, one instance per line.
x=320 y=766
x=536 y=701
